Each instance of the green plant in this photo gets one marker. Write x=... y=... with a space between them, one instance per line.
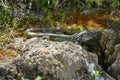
x=116 y=3
x=38 y=78
x=96 y=73
x=5 y=14
x=46 y=5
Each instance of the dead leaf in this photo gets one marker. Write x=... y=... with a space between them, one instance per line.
x=1 y=55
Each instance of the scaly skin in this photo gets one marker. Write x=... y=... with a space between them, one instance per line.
x=57 y=36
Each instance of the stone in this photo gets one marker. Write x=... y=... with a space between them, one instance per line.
x=54 y=60
x=109 y=39
x=114 y=69
x=99 y=42
x=65 y=60
x=8 y=71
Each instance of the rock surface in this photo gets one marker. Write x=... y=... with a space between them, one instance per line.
x=108 y=48
x=53 y=60
x=58 y=61
x=108 y=40
x=114 y=69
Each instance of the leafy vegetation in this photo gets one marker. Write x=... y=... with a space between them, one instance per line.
x=38 y=78
x=5 y=17
x=70 y=15
x=96 y=73
x=57 y=10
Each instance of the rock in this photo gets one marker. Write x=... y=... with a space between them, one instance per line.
x=90 y=41
x=114 y=24
x=106 y=45
x=114 y=69
x=110 y=44
x=53 y=60
x=8 y=71
x=117 y=50
x=108 y=40
x=58 y=61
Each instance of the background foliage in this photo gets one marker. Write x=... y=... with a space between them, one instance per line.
x=49 y=11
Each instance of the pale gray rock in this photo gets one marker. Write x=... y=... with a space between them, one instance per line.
x=58 y=61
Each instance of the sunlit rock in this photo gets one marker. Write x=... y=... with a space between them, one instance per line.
x=58 y=61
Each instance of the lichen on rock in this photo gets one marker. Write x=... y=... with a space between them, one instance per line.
x=57 y=61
